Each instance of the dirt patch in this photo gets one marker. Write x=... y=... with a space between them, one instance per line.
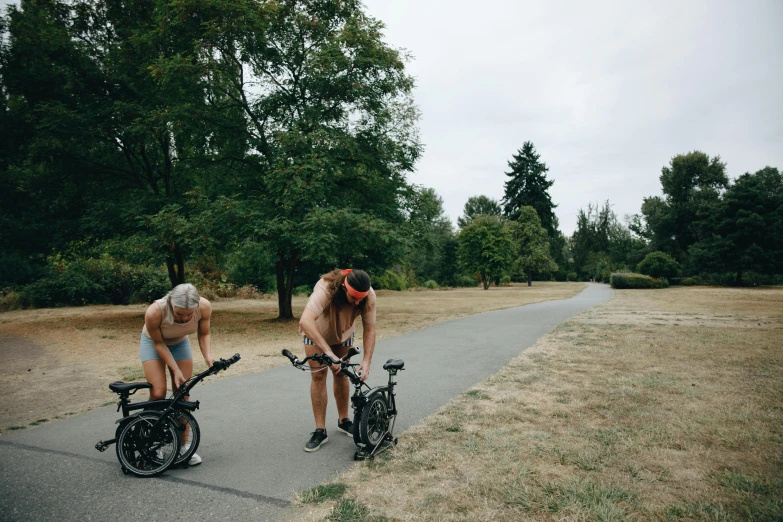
x=658 y=405
x=76 y=352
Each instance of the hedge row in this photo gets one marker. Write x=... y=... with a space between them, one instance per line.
x=631 y=280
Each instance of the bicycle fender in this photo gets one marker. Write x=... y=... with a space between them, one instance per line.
x=375 y=391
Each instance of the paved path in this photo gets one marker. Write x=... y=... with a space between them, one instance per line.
x=254 y=428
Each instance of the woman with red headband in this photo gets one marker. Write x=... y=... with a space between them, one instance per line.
x=327 y=325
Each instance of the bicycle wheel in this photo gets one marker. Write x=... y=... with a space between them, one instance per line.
x=147 y=448
x=374 y=423
x=190 y=436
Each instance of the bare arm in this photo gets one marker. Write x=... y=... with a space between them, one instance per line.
x=152 y=320
x=204 y=337
x=368 y=339
x=310 y=329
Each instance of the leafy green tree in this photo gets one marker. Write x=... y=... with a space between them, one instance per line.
x=691 y=185
x=330 y=121
x=528 y=186
x=111 y=139
x=600 y=239
x=486 y=247
x=431 y=233
x=746 y=228
x=658 y=265
x=532 y=244
x=478 y=206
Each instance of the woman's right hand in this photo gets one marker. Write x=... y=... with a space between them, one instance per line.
x=179 y=378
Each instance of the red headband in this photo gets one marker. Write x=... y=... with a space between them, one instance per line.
x=354 y=293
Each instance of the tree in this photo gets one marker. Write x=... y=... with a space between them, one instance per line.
x=431 y=232
x=107 y=137
x=529 y=186
x=691 y=184
x=658 y=265
x=331 y=120
x=478 y=206
x=600 y=239
x=745 y=230
x=486 y=248
x=532 y=244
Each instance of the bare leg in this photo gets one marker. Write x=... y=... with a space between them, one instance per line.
x=155 y=373
x=186 y=367
x=318 y=395
x=342 y=388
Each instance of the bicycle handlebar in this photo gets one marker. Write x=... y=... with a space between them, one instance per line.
x=320 y=358
x=223 y=364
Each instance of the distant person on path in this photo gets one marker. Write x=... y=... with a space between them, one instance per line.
x=327 y=325
x=164 y=341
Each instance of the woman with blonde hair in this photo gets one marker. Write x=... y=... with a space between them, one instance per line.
x=165 y=344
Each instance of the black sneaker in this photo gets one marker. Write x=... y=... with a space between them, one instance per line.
x=318 y=439
x=346 y=426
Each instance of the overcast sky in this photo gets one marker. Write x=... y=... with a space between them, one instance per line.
x=607 y=91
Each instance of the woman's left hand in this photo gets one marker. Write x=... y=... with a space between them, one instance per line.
x=209 y=360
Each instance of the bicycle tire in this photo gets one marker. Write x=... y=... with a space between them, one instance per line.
x=374 y=423
x=193 y=440
x=144 y=451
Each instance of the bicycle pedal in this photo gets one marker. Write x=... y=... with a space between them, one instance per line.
x=362 y=455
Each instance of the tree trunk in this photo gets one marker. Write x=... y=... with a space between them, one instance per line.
x=530 y=278
x=284 y=270
x=176 y=273
x=738 y=278
x=485 y=280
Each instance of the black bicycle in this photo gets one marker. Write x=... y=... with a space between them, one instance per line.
x=374 y=409
x=164 y=433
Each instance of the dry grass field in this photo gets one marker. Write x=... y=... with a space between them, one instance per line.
x=658 y=405
x=58 y=362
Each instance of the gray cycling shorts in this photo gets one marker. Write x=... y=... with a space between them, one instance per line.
x=181 y=351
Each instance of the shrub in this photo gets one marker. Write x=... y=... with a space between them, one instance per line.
x=432 y=285
x=464 y=280
x=692 y=281
x=305 y=290
x=572 y=276
x=631 y=280
x=95 y=281
x=658 y=264
x=10 y=300
x=248 y=292
x=505 y=280
x=390 y=280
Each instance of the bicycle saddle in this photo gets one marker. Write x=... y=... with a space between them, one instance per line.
x=394 y=364
x=125 y=387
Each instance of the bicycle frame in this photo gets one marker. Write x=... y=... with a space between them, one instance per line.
x=360 y=398
x=166 y=406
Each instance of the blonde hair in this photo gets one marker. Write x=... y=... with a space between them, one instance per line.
x=182 y=296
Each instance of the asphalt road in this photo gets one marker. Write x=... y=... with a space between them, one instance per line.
x=253 y=430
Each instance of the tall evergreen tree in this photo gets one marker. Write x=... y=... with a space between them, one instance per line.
x=528 y=186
